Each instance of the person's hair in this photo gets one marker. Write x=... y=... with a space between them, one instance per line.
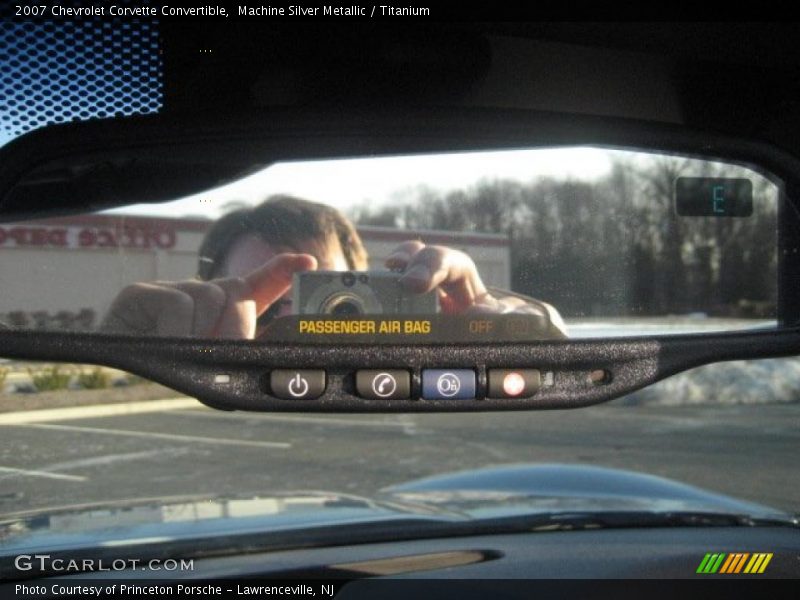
x=280 y=221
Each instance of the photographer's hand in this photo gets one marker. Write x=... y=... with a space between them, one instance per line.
x=223 y=308
x=461 y=289
x=451 y=271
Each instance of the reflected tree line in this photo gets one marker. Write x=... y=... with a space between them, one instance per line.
x=614 y=246
x=63 y=320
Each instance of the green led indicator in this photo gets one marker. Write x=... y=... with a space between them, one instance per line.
x=720 y=197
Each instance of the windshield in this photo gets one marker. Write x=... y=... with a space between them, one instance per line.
x=94 y=434
x=526 y=244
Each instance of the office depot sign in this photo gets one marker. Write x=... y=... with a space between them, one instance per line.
x=127 y=236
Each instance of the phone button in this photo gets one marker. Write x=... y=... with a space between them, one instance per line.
x=297 y=384
x=383 y=384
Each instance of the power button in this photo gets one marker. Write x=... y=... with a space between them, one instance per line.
x=297 y=384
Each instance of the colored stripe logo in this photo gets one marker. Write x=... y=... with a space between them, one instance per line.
x=734 y=563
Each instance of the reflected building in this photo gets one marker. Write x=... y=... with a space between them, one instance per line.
x=63 y=273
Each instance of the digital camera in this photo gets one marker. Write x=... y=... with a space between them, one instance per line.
x=354 y=293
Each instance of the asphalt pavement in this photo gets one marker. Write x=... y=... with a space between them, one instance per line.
x=178 y=447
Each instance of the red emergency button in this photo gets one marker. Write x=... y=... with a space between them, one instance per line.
x=513 y=383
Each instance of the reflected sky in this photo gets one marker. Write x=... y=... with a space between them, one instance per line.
x=373 y=182
x=348 y=183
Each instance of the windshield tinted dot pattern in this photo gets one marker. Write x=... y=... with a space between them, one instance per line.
x=59 y=71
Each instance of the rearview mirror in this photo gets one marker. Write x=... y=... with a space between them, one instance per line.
x=551 y=242
x=337 y=241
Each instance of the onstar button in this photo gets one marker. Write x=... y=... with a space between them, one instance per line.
x=383 y=384
x=514 y=383
x=448 y=384
x=297 y=384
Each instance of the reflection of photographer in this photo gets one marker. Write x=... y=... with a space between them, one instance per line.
x=249 y=259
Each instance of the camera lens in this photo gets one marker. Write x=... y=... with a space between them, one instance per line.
x=348 y=279
x=343 y=304
x=346 y=309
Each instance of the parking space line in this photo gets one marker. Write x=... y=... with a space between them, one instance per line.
x=197 y=412
x=30 y=473
x=96 y=410
x=104 y=460
x=154 y=435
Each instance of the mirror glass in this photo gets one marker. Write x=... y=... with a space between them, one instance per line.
x=524 y=244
